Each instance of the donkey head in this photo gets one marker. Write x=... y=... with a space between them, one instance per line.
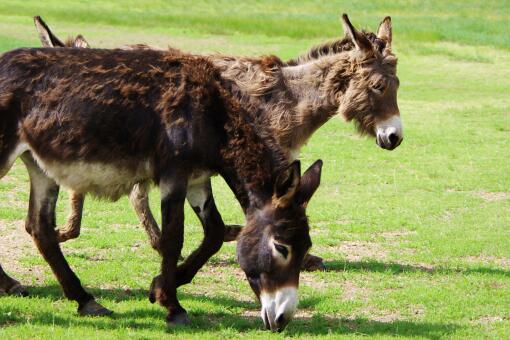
x=271 y=247
x=365 y=85
x=48 y=39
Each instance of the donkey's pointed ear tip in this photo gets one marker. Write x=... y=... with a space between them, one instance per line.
x=345 y=17
x=387 y=19
x=319 y=163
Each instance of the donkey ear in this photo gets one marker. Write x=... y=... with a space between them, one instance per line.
x=359 y=40
x=310 y=182
x=287 y=184
x=48 y=39
x=80 y=42
x=384 y=31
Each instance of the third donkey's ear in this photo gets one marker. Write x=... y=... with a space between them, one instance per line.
x=358 y=39
x=384 y=31
x=48 y=39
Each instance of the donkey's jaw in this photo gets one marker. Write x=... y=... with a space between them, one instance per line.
x=278 y=307
x=389 y=133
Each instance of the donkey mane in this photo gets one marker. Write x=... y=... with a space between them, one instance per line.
x=334 y=47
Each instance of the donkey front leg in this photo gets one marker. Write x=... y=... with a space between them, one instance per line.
x=164 y=286
x=41 y=222
x=10 y=286
x=201 y=198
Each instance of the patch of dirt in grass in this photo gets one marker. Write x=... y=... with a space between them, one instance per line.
x=352 y=291
x=16 y=243
x=486 y=259
x=358 y=250
x=488 y=319
x=492 y=196
x=485 y=195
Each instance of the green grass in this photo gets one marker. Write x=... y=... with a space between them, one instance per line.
x=417 y=240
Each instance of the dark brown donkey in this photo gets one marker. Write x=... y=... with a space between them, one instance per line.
x=99 y=121
x=292 y=121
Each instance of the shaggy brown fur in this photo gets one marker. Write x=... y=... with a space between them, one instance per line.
x=148 y=115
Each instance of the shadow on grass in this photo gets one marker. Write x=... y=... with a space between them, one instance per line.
x=152 y=318
x=397 y=268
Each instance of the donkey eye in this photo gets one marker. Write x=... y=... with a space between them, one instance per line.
x=282 y=250
x=379 y=87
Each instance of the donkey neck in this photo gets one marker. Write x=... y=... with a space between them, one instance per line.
x=251 y=158
x=312 y=104
x=292 y=107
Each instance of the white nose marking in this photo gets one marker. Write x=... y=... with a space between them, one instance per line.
x=389 y=129
x=284 y=302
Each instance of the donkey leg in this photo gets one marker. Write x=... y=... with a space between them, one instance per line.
x=312 y=263
x=10 y=150
x=71 y=230
x=231 y=232
x=139 y=198
x=11 y=286
x=201 y=198
x=164 y=287
x=41 y=219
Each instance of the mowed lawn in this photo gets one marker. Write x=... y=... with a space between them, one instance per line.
x=416 y=241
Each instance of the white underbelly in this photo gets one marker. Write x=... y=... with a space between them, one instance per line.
x=99 y=179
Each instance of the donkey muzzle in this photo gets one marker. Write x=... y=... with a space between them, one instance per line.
x=389 y=133
x=278 y=307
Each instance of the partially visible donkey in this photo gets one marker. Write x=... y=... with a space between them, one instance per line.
x=291 y=120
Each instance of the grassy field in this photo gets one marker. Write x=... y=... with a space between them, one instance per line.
x=417 y=240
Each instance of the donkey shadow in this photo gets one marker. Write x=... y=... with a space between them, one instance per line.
x=398 y=268
x=143 y=318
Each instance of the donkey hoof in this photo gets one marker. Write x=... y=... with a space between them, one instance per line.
x=177 y=319
x=92 y=308
x=231 y=232
x=18 y=290
x=155 y=290
x=313 y=263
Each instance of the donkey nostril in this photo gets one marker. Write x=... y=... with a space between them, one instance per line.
x=393 y=138
x=280 y=320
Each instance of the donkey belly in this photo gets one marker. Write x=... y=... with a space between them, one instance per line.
x=103 y=180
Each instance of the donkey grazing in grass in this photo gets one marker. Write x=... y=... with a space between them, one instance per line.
x=292 y=121
x=99 y=121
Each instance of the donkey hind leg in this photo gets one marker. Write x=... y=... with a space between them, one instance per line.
x=164 y=286
x=201 y=198
x=10 y=286
x=71 y=230
x=41 y=221
x=139 y=198
x=9 y=152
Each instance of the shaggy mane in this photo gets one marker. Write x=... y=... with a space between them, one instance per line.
x=334 y=47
